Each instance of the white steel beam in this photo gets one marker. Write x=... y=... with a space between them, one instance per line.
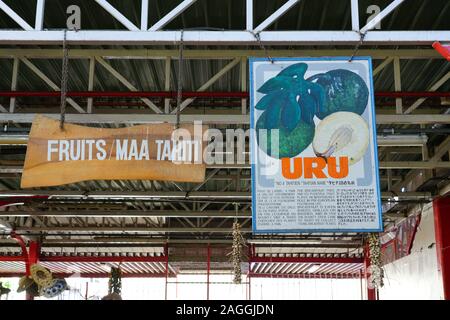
x=209 y=83
x=116 y=14
x=172 y=15
x=355 y=15
x=144 y=15
x=3 y=109
x=13 y=15
x=15 y=72
x=434 y=87
x=50 y=83
x=238 y=38
x=126 y=83
x=249 y=15
x=39 y=21
x=377 y=19
x=277 y=14
x=207 y=118
x=216 y=54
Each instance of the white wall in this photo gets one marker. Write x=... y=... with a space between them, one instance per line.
x=416 y=277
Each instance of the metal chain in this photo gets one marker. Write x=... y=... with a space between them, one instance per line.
x=64 y=75
x=179 y=79
x=355 y=51
x=261 y=45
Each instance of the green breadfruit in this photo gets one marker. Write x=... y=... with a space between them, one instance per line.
x=291 y=142
x=344 y=91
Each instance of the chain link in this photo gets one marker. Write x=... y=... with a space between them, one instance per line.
x=355 y=51
x=64 y=75
x=261 y=45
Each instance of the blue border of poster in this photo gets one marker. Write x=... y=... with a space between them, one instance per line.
x=253 y=140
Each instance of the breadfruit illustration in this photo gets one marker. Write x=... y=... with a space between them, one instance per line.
x=344 y=91
x=342 y=134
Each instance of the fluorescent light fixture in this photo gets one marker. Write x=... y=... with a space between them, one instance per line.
x=403 y=189
x=313 y=268
x=395 y=198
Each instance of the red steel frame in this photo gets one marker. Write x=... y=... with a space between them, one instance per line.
x=442 y=49
x=441 y=209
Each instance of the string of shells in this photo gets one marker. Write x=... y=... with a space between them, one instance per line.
x=377 y=272
x=237 y=252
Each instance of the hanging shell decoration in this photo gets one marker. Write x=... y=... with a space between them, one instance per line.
x=24 y=283
x=236 y=254
x=57 y=287
x=42 y=276
x=377 y=272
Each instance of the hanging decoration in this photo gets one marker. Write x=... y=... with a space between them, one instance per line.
x=41 y=282
x=377 y=272
x=4 y=290
x=237 y=250
x=114 y=285
x=55 y=289
x=42 y=276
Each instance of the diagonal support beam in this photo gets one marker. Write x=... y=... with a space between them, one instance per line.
x=15 y=73
x=172 y=15
x=3 y=109
x=126 y=83
x=209 y=83
x=50 y=83
x=13 y=15
x=433 y=88
x=116 y=14
x=382 y=65
x=383 y=14
x=277 y=14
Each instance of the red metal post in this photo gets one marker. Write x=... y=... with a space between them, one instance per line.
x=208 y=269
x=441 y=208
x=23 y=246
x=371 y=292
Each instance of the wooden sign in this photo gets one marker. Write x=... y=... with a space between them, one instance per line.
x=76 y=153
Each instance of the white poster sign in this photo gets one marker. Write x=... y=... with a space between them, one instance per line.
x=313 y=146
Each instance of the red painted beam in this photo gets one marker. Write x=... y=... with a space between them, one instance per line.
x=82 y=259
x=12 y=258
x=443 y=50
x=441 y=208
x=304 y=276
x=93 y=275
x=304 y=260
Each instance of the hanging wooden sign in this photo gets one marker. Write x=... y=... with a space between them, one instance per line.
x=76 y=153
